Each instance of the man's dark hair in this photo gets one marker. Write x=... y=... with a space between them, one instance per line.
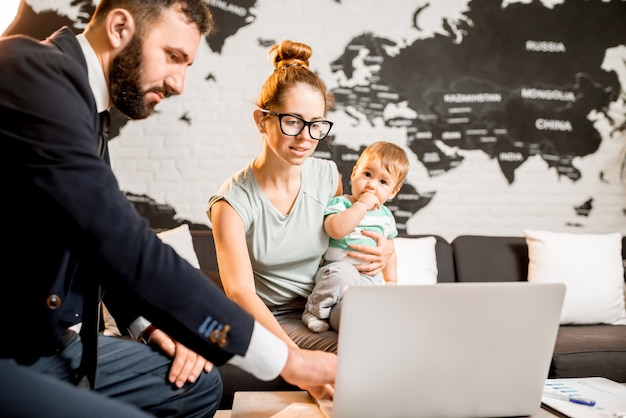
x=146 y=12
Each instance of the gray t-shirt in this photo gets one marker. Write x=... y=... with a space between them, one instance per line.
x=285 y=250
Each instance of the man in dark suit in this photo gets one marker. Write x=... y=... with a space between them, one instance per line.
x=73 y=236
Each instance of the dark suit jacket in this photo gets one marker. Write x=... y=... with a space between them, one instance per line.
x=66 y=221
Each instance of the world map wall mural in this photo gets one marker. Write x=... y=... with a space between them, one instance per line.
x=513 y=113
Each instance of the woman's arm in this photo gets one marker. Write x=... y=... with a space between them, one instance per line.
x=235 y=267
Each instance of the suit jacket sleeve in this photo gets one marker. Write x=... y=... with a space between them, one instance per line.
x=65 y=189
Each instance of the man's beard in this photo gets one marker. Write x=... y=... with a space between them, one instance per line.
x=126 y=92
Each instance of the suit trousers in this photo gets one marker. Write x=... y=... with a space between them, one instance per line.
x=131 y=382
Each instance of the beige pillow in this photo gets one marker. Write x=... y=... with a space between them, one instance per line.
x=591 y=267
x=180 y=240
x=417 y=260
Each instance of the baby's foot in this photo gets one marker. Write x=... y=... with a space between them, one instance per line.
x=314 y=323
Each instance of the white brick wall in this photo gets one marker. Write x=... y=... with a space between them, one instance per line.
x=183 y=164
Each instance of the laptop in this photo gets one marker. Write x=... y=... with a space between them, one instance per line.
x=448 y=350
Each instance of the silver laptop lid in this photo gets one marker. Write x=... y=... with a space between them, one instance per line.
x=446 y=350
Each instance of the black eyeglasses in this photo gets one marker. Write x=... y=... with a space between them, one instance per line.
x=292 y=125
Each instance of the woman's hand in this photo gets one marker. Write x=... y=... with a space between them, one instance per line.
x=376 y=258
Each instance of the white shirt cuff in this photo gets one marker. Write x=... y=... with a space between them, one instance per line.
x=266 y=356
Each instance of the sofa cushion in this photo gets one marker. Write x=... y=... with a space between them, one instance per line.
x=591 y=267
x=483 y=258
x=416 y=260
x=180 y=240
x=590 y=350
x=443 y=256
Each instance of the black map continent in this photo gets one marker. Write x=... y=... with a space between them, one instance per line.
x=512 y=81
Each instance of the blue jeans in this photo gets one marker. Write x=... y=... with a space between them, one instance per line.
x=131 y=382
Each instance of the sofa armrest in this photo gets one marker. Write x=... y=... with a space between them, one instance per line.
x=207 y=258
x=205 y=249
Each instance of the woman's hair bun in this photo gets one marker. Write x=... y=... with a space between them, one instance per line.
x=290 y=54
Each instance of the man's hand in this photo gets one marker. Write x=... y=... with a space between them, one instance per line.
x=376 y=258
x=186 y=365
x=311 y=370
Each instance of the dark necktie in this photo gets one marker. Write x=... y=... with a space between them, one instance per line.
x=86 y=373
x=103 y=136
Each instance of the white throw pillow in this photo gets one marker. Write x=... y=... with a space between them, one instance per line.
x=180 y=240
x=417 y=260
x=592 y=269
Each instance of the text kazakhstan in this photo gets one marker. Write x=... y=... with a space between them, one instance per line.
x=472 y=98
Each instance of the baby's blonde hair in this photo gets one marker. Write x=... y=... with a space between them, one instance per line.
x=392 y=158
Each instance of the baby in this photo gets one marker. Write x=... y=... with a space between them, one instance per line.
x=376 y=177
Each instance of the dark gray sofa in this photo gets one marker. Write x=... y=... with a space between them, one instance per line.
x=580 y=350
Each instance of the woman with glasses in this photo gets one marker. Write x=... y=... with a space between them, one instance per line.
x=268 y=218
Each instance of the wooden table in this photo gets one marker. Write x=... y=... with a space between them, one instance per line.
x=293 y=404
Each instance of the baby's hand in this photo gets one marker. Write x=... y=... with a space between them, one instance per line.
x=369 y=200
